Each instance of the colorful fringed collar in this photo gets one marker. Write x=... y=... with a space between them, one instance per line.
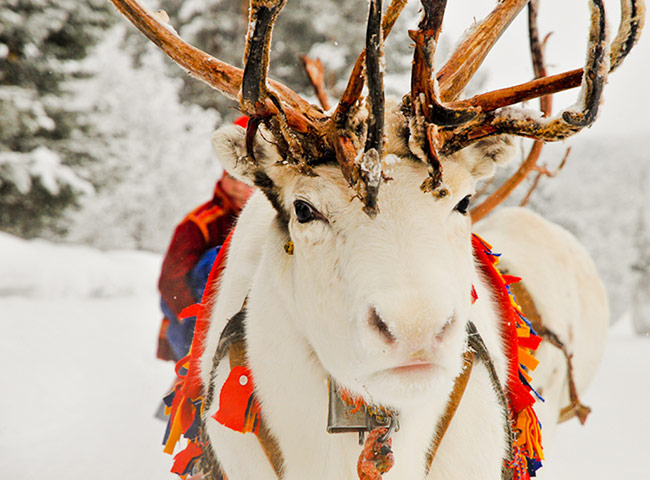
x=520 y=341
x=185 y=403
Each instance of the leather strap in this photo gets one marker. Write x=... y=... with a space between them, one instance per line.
x=478 y=345
x=452 y=405
x=527 y=304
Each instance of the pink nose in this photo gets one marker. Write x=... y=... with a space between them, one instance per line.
x=379 y=326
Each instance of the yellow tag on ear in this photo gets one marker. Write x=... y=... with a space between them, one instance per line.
x=288 y=247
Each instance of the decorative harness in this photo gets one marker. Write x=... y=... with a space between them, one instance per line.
x=240 y=411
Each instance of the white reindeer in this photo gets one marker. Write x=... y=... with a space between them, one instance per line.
x=312 y=314
x=379 y=298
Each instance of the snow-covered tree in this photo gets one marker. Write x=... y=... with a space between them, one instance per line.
x=332 y=30
x=40 y=42
x=156 y=161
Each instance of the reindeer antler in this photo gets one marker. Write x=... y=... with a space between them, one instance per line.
x=631 y=24
x=225 y=78
x=361 y=172
x=439 y=123
x=454 y=76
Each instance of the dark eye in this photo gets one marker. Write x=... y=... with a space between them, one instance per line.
x=463 y=205
x=304 y=211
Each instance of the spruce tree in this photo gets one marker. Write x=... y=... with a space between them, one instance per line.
x=40 y=44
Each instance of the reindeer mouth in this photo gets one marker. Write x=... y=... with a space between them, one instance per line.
x=423 y=362
x=414 y=368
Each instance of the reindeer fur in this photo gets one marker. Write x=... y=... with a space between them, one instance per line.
x=307 y=314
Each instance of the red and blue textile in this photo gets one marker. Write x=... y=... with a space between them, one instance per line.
x=184 y=404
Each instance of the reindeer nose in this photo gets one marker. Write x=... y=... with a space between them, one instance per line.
x=377 y=324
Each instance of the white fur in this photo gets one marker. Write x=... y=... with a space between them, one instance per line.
x=307 y=317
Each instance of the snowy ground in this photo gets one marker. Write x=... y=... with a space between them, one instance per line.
x=81 y=382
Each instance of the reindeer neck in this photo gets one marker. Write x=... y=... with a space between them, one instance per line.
x=291 y=386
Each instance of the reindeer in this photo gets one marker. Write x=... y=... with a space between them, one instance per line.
x=351 y=272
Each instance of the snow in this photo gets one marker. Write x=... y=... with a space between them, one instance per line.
x=78 y=352
x=42 y=164
x=38 y=269
x=82 y=382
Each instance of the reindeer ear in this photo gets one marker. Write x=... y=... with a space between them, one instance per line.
x=482 y=157
x=229 y=143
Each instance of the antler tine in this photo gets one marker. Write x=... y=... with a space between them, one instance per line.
x=629 y=31
x=422 y=87
x=370 y=170
x=316 y=75
x=426 y=109
x=374 y=54
x=353 y=89
x=262 y=17
x=631 y=25
x=454 y=76
x=221 y=76
x=596 y=69
x=537 y=54
x=558 y=128
x=343 y=135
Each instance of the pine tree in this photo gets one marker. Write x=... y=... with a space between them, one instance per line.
x=156 y=160
x=40 y=43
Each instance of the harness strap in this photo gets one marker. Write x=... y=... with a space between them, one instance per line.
x=478 y=345
x=525 y=300
x=452 y=405
x=233 y=343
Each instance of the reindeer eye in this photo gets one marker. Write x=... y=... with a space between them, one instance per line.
x=463 y=205
x=304 y=211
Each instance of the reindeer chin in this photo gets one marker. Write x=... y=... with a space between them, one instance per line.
x=412 y=377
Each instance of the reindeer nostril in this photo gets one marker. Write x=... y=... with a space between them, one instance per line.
x=378 y=324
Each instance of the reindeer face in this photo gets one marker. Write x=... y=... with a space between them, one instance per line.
x=382 y=301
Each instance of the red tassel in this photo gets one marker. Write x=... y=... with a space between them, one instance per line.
x=238 y=409
x=510 y=279
x=184 y=460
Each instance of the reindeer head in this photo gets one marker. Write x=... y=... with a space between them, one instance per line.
x=396 y=262
x=383 y=301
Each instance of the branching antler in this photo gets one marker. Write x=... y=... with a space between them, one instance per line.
x=345 y=135
x=427 y=112
x=632 y=19
x=629 y=32
x=546 y=106
x=225 y=78
x=569 y=122
x=439 y=123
